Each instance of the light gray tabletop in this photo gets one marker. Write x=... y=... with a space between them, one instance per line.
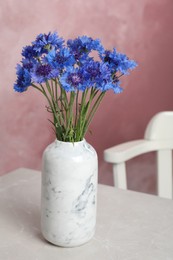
x=130 y=225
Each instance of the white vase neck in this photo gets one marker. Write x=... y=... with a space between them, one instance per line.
x=70 y=143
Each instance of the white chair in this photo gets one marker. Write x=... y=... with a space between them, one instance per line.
x=158 y=137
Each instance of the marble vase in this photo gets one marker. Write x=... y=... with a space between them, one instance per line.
x=69 y=193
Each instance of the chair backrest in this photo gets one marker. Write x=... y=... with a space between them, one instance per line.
x=160 y=127
x=158 y=137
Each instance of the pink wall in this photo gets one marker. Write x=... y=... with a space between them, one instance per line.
x=142 y=29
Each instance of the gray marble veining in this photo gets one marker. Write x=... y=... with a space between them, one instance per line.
x=69 y=193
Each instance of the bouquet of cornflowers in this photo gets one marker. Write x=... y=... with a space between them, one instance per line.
x=73 y=77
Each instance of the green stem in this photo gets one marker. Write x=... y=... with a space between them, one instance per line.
x=92 y=112
x=56 y=91
x=86 y=106
x=55 y=108
x=69 y=119
x=77 y=108
x=36 y=87
x=81 y=115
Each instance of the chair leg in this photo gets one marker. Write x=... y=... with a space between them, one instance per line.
x=164 y=171
x=119 y=172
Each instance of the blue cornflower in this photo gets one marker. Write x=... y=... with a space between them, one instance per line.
x=104 y=79
x=106 y=85
x=117 y=88
x=76 y=48
x=105 y=72
x=43 y=72
x=45 y=42
x=118 y=61
x=95 y=72
x=124 y=64
x=110 y=81
x=82 y=46
x=83 y=65
x=73 y=79
x=23 y=79
x=29 y=64
x=60 y=59
x=28 y=52
x=90 y=44
x=91 y=71
x=98 y=74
